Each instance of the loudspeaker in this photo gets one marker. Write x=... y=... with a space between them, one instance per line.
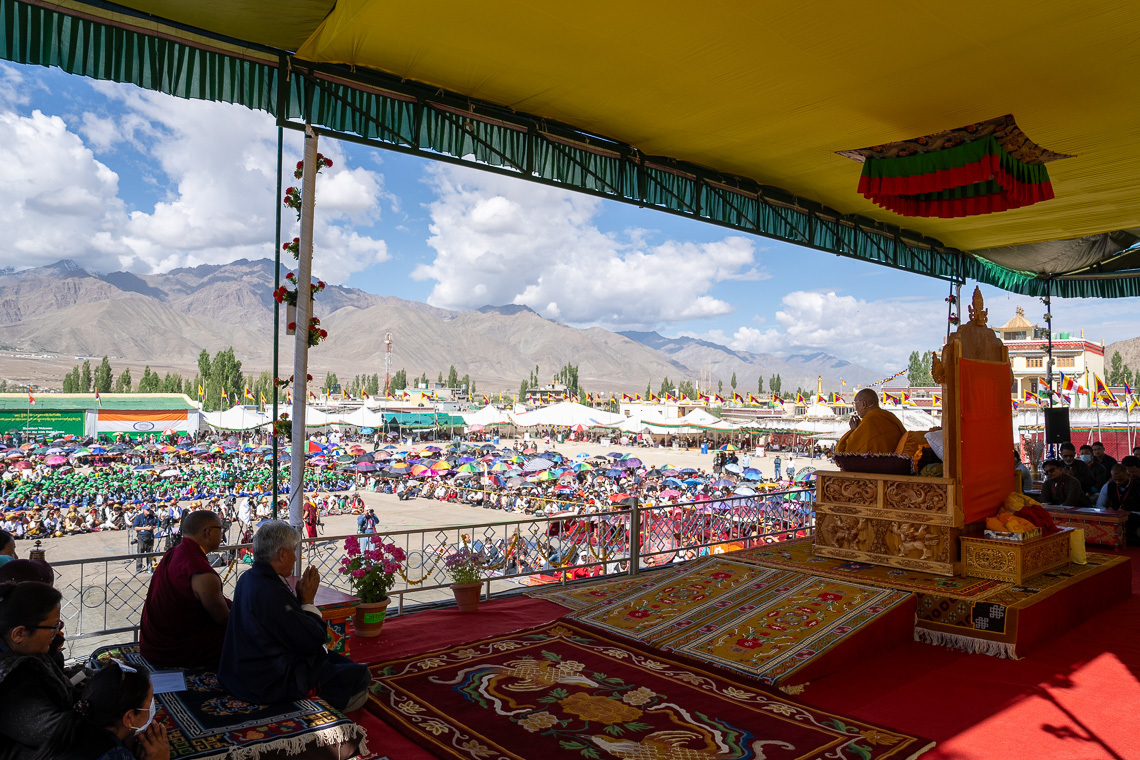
x=1057 y=425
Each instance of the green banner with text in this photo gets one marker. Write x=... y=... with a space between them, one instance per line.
x=42 y=423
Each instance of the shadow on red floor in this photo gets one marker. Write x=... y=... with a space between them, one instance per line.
x=1076 y=697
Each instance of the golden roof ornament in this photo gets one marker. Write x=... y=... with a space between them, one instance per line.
x=978 y=315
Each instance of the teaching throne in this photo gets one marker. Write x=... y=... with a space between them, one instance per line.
x=913 y=522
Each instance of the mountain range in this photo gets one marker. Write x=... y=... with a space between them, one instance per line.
x=167 y=319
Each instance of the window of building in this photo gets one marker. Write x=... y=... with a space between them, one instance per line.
x=1034 y=362
x=1020 y=335
x=1066 y=361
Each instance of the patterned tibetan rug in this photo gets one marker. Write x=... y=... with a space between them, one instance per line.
x=796 y=555
x=772 y=625
x=206 y=722
x=579 y=596
x=972 y=614
x=560 y=690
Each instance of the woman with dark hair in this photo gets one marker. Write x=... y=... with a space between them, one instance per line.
x=34 y=692
x=117 y=703
x=7 y=547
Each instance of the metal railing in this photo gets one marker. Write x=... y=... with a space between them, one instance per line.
x=103 y=597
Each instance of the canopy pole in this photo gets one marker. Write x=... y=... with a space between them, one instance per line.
x=276 y=328
x=1049 y=337
x=301 y=333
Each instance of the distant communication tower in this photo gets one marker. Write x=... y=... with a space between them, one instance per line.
x=387 y=364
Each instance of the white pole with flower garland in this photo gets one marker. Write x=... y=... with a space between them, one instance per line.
x=301 y=331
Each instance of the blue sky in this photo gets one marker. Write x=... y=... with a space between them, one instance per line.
x=119 y=178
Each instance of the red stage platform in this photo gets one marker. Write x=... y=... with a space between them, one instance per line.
x=1050 y=704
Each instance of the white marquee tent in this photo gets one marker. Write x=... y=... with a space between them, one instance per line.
x=566 y=414
x=236 y=418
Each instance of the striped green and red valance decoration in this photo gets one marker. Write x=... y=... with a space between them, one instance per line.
x=971 y=178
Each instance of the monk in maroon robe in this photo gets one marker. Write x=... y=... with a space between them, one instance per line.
x=184 y=618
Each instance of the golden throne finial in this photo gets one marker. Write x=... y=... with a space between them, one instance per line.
x=978 y=315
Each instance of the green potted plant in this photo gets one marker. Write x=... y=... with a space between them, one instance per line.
x=465 y=568
x=371 y=572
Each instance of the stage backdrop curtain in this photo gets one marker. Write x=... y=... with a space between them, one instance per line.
x=987 y=437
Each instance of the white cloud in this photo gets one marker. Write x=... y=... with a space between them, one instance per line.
x=14 y=87
x=58 y=200
x=501 y=241
x=874 y=333
x=882 y=333
x=214 y=165
x=100 y=132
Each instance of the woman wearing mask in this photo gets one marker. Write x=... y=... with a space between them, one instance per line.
x=34 y=692
x=117 y=705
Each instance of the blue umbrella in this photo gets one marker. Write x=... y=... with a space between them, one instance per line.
x=688 y=471
x=693 y=482
x=614 y=473
x=367 y=431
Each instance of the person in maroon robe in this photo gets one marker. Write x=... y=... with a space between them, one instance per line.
x=311 y=516
x=184 y=618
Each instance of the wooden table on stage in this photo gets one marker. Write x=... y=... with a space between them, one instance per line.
x=1100 y=527
x=336 y=608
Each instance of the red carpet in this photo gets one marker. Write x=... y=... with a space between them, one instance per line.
x=562 y=690
x=435 y=629
x=1075 y=697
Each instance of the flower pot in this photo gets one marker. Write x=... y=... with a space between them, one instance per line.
x=467 y=595
x=368 y=619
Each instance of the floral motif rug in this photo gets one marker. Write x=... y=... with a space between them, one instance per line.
x=765 y=623
x=972 y=614
x=206 y=722
x=796 y=555
x=579 y=596
x=563 y=691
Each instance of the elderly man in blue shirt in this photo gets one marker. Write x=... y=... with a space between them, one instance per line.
x=274 y=650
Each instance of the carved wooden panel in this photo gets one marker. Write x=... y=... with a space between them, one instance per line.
x=848 y=490
x=1013 y=561
x=889 y=514
x=925 y=497
x=919 y=546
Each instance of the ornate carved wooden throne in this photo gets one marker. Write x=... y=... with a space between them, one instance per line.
x=914 y=522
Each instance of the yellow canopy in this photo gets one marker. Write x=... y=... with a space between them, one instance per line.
x=766 y=92
x=771 y=91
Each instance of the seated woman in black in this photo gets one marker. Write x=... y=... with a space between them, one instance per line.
x=34 y=692
x=117 y=704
